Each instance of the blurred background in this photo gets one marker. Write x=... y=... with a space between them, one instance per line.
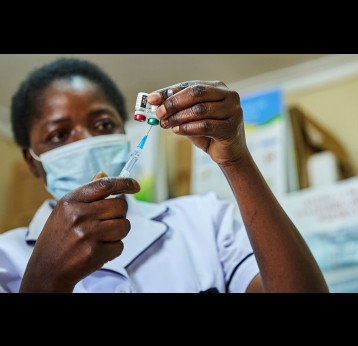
x=301 y=120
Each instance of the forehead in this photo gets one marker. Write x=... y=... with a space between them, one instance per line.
x=68 y=95
x=75 y=85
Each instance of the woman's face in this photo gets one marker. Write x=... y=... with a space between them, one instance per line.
x=70 y=110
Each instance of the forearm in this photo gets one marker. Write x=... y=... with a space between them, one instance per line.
x=285 y=261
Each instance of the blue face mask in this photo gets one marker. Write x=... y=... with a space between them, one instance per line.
x=75 y=164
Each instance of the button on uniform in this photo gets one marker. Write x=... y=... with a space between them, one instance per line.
x=123 y=288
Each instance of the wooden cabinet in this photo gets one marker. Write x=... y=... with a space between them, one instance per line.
x=25 y=194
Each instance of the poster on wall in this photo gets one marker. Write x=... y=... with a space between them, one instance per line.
x=265 y=136
x=265 y=128
x=327 y=218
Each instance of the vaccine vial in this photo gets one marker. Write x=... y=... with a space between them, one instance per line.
x=144 y=110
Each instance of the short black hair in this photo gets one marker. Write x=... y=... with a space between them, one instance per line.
x=25 y=100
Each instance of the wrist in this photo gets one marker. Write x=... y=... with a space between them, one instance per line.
x=44 y=286
x=36 y=282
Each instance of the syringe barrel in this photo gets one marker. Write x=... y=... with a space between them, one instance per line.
x=128 y=168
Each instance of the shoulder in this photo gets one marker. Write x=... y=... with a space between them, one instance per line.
x=13 y=234
x=183 y=202
x=14 y=256
x=208 y=203
x=199 y=206
x=13 y=246
x=206 y=199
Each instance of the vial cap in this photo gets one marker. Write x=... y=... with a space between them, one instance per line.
x=153 y=121
x=139 y=117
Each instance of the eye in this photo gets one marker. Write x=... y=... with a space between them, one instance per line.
x=58 y=136
x=105 y=125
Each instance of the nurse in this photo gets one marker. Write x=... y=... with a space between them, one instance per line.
x=68 y=119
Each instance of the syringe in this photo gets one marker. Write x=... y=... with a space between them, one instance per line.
x=142 y=108
x=128 y=168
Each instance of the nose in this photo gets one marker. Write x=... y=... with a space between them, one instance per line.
x=81 y=133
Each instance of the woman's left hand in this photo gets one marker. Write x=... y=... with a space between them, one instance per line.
x=208 y=113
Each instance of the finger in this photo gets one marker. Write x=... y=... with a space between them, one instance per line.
x=102 y=188
x=201 y=111
x=195 y=94
x=106 y=209
x=113 y=230
x=107 y=251
x=212 y=128
x=160 y=95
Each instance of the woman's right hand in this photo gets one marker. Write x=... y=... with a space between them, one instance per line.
x=84 y=231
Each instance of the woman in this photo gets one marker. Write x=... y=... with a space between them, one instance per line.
x=68 y=118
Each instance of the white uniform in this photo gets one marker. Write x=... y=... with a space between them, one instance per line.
x=186 y=244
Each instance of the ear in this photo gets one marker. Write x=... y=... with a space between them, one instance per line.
x=30 y=161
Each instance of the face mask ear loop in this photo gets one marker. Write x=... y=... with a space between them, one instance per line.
x=37 y=158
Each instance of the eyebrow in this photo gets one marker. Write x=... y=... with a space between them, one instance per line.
x=104 y=110
x=54 y=122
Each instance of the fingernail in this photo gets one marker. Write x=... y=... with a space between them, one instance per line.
x=99 y=175
x=154 y=97
x=175 y=129
x=161 y=112
x=164 y=124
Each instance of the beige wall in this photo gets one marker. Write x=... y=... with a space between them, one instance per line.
x=335 y=107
